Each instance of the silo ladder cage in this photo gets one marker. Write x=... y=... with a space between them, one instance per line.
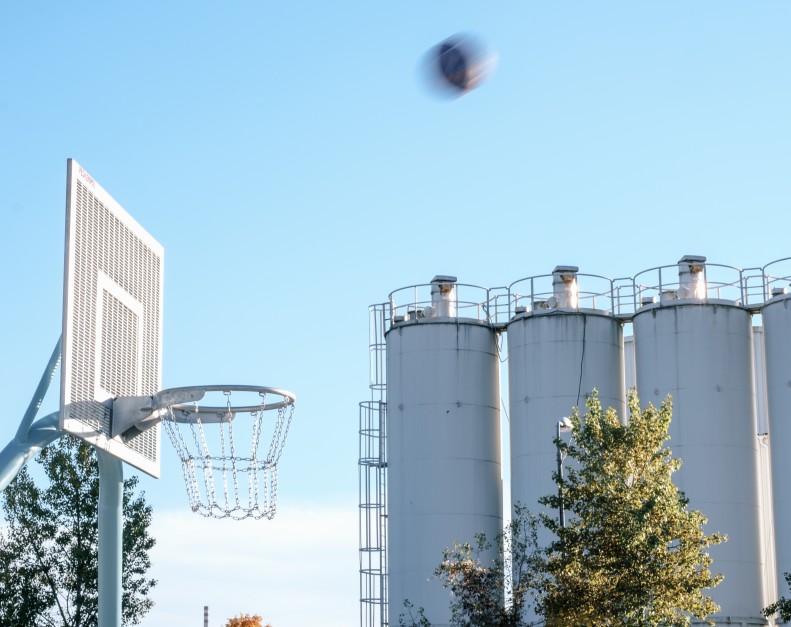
x=372 y=468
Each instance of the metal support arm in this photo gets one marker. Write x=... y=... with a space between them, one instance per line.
x=19 y=452
x=31 y=437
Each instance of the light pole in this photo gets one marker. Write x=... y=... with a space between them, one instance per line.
x=562 y=426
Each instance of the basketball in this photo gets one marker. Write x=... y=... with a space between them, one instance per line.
x=459 y=64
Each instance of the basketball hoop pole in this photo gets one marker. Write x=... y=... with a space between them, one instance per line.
x=111 y=525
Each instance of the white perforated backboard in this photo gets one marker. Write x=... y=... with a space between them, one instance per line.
x=112 y=319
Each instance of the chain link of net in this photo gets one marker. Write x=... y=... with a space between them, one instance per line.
x=203 y=472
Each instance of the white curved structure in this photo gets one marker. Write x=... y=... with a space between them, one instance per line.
x=557 y=353
x=443 y=447
x=777 y=334
x=555 y=358
x=700 y=352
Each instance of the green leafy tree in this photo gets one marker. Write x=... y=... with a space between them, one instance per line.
x=49 y=545
x=23 y=595
x=631 y=554
x=781 y=607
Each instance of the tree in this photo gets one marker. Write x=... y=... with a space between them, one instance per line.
x=412 y=617
x=49 y=547
x=22 y=596
x=246 y=620
x=495 y=595
x=631 y=554
x=781 y=607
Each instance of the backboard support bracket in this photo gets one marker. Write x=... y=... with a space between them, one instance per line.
x=139 y=413
x=132 y=412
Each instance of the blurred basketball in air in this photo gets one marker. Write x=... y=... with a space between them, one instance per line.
x=458 y=65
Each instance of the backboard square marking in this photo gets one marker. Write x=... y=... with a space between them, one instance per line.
x=119 y=338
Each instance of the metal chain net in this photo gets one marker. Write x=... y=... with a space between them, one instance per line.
x=213 y=481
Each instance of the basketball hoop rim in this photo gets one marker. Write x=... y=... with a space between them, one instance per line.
x=198 y=391
x=224 y=477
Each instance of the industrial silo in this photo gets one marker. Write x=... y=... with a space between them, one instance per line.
x=699 y=350
x=562 y=343
x=776 y=315
x=443 y=438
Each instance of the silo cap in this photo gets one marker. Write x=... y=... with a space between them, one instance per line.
x=566 y=270
x=443 y=278
x=692 y=259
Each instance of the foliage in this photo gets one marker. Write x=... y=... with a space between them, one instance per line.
x=49 y=545
x=409 y=619
x=246 y=620
x=23 y=595
x=632 y=553
x=781 y=607
x=493 y=595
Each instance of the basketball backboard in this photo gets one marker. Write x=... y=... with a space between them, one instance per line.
x=112 y=319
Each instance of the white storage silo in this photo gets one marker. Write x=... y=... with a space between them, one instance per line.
x=777 y=335
x=443 y=444
x=557 y=353
x=699 y=350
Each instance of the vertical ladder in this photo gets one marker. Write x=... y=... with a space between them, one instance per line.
x=373 y=517
x=372 y=475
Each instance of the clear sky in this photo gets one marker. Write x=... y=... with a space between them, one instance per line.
x=296 y=169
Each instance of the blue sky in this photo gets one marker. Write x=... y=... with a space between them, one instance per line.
x=296 y=169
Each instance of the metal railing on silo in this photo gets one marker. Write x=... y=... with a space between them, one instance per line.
x=776 y=278
x=717 y=282
x=537 y=293
x=470 y=302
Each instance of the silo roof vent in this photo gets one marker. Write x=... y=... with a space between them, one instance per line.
x=691 y=281
x=564 y=287
x=443 y=297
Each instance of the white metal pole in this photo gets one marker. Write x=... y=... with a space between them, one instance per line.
x=561 y=512
x=111 y=523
